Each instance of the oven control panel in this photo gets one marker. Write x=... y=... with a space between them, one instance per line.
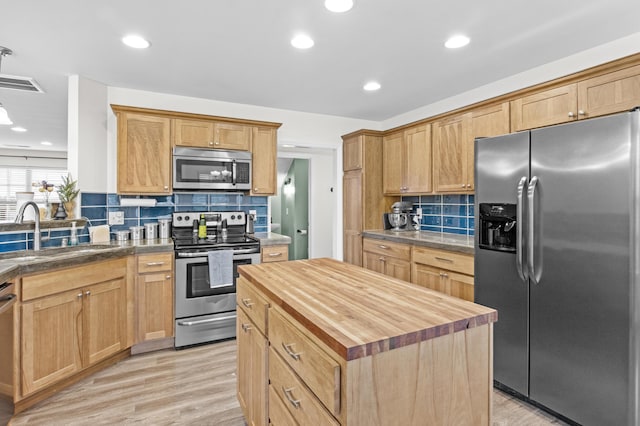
x=185 y=219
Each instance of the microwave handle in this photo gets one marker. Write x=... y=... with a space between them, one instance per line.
x=234 y=172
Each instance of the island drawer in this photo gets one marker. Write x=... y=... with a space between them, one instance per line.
x=155 y=262
x=275 y=254
x=386 y=248
x=316 y=367
x=443 y=259
x=278 y=413
x=252 y=303
x=300 y=403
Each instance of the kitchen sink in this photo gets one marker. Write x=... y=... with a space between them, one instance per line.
x=53 y=252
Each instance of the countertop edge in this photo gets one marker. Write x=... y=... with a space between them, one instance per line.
x=272 y=239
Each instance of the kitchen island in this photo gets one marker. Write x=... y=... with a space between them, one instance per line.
x=325 y=342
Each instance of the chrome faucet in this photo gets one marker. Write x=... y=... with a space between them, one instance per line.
x=36 y=232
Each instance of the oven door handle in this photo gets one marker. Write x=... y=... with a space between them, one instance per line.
x=204 y=253
x=222 y=285
x=206 y=321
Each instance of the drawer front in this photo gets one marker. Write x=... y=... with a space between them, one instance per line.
x=385 y=248
x=443 y=259
x=316 y=368
x=155 y=262
x=275 y=254
x=252 y=303
x=298 y=400
x=278 y=413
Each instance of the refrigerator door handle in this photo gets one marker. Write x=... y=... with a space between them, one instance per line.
x=520 y=242
x=534 y=273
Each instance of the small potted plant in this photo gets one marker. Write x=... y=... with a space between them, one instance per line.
x=67 y=192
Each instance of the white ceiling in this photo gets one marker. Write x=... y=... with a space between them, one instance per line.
x=239 y=51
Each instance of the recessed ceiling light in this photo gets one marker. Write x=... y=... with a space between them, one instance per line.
x=338 y=6
x=457 y=41
x=135 y=41
x=302 y=41
x=372 y=86
x=19 y=129
x=46 y=143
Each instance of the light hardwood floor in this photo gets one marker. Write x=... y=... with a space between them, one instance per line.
x=194 y=386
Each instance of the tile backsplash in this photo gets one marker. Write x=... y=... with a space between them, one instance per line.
x=96 y=207
x=450 y=213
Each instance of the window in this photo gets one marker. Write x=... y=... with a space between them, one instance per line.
x=13 y=180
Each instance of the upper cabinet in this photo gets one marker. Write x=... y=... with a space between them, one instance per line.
x=146 y=138
x=352 y=153
x=144 y=153
x=407 y=161
x=264 y=158
x=211 y=134
x=600 y=95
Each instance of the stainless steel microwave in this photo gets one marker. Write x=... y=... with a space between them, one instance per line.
x=211 y=169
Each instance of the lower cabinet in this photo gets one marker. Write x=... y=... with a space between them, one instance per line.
x=71 y=319
x=444 y=271
x=388 y=258
x=155 y=294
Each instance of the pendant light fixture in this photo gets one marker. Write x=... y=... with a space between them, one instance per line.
x=4 y=116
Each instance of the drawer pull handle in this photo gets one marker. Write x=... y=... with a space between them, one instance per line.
x=275 y=254
x=155 y=263
x=247 y=303
x=444 y=259
x=246 y=327
x=383 y=247
x=290 y=352
x=289 y=396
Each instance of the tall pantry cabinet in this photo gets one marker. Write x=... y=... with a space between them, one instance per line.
x=363 y=201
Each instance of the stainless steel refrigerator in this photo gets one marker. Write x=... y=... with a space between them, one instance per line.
x=557 y=253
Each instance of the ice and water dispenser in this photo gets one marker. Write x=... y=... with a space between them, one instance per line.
x=498 y=227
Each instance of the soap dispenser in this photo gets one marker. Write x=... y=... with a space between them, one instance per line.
x=73 y=239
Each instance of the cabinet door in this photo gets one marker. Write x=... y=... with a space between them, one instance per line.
x=194 y=133
x=393 y=163
x=609 y=93
x=460 y=285
x=263 y=167
x=155 y=306
x=418 y=160
x=243 y=360
x=429 y=277
x=51 y=339
x=252 y=371
x=450 y=144
x=144 y=154
x=232 y=136
x=398 y=268
x=485 y=122
x=352 y=153
x=352 y=217
x=373 y=262
x=544 y=108
x=104 y=320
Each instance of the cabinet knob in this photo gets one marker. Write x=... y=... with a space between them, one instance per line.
x=468 y=185
x=168 y=277
x=463 y=185
x=79 y=295
x=246 y=327
x=255 y=189
x=571 y=114
x=166 y=187
x=581 y=112
x=217 y=143
x=210 y=143
x=87 y=293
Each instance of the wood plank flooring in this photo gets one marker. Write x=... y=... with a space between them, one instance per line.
x=194 y=386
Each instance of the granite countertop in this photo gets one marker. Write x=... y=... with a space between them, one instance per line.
x=358 y=312
x=272 y=239
x=29 y=261
x=437 y=240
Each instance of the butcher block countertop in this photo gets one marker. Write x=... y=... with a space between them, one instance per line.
x=358 y=312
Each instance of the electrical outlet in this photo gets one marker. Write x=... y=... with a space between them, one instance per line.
x=116 y=218
x=253 y=212
x=419 y=212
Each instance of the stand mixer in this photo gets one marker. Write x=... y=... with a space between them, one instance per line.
x=399 y=216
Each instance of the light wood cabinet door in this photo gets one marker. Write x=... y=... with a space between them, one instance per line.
x=193 y=133
x=609 y=93
x=484 y=122
x=263 y=167
x=553 y=106
x=279 y=253
x=232 y=136
x=155 y=306
x=373 y=262
x=397 y=268
x=429 y=277
x=51 y=339
x=352 y=153
x=393 y=167
x=460 y=285
x=252 y=363
x=417 y=152
x=352 y=217
x=144 y=154
x=104 y=320
x=450 y=145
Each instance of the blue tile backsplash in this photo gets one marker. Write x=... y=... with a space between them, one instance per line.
x=96 y=207
x=451 y=213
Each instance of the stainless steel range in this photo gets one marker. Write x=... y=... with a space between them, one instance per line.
x=205 y=310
